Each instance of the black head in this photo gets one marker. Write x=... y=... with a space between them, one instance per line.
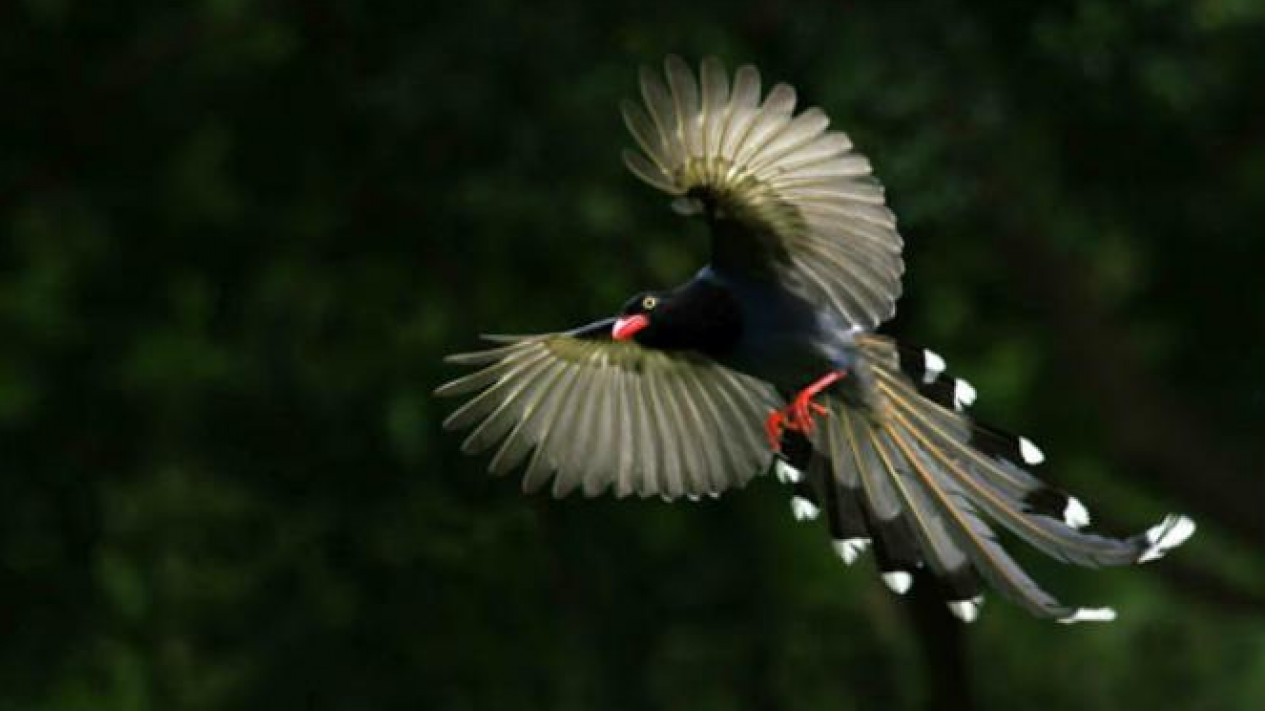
x=637 y=316
x=696 y=317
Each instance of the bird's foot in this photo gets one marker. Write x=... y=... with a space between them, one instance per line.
x=798 y=416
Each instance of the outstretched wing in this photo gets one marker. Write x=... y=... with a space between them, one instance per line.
x=595 y=413
x=787 y=199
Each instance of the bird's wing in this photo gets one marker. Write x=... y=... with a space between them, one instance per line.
x=786 y=198
x=594 y=413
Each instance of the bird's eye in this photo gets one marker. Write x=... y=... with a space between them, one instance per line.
x=649 y=302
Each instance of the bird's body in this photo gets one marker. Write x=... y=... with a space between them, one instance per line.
x=759 y=328
x=767 y=359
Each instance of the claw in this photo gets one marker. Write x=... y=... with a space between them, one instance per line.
x=798 y=415
x=802 y=411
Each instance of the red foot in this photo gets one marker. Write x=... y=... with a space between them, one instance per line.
x=798 y=416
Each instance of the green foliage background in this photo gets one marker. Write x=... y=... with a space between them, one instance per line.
x=238 y=237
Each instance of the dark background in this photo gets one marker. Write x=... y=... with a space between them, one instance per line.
x=238 y=237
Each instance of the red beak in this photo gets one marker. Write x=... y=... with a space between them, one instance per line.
x=625 y=327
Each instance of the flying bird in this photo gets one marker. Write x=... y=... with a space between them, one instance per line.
x=767 y=360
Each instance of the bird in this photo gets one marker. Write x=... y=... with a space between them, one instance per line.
x=767 y=362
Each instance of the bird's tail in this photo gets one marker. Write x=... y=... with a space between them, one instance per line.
x=910 y=475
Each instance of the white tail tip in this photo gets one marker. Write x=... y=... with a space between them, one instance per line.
x=850 y=549
x=803 y=509
x=898 y=581
x=1166 y=535
x=932 y=366
x=786 y=473
x=1031 y=453
x=963 y=394
x=966 y=610
x=1075 y=514
x=1089 y=614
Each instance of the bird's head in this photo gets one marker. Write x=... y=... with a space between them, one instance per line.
x=699 y=316
x=637 y=319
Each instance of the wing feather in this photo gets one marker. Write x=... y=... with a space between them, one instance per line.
x=594 y=414
x=679 y=426
x=668 y=460
x=601 y=445
x=545 y=462
x=501 y=420
x=702 y=410
x=780 y=189
x=576 y=434
x=715 y=83
x=517 y=445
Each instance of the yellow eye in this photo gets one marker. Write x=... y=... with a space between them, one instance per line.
x=649 y=303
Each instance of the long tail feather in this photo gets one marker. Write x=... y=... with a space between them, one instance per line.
x=994 y=564
x=899 y=465
x=976 y=474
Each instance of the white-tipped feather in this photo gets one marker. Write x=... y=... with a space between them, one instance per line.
x=1075 y=514
x=786 y=473
x=963 y=394
x=1031 y=453
x=966 y=610
x=803 y=509
x=1089 y=614
x=898 y=581
x=850 y=549
x=1166 y=535
x=932 y=366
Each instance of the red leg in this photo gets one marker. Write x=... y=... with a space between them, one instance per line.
x=803 y=407
x=773 y=427
x=798 y=416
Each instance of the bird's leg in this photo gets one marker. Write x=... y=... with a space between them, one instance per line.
x=798 y=416
x=802 y=408
x=773 y=427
